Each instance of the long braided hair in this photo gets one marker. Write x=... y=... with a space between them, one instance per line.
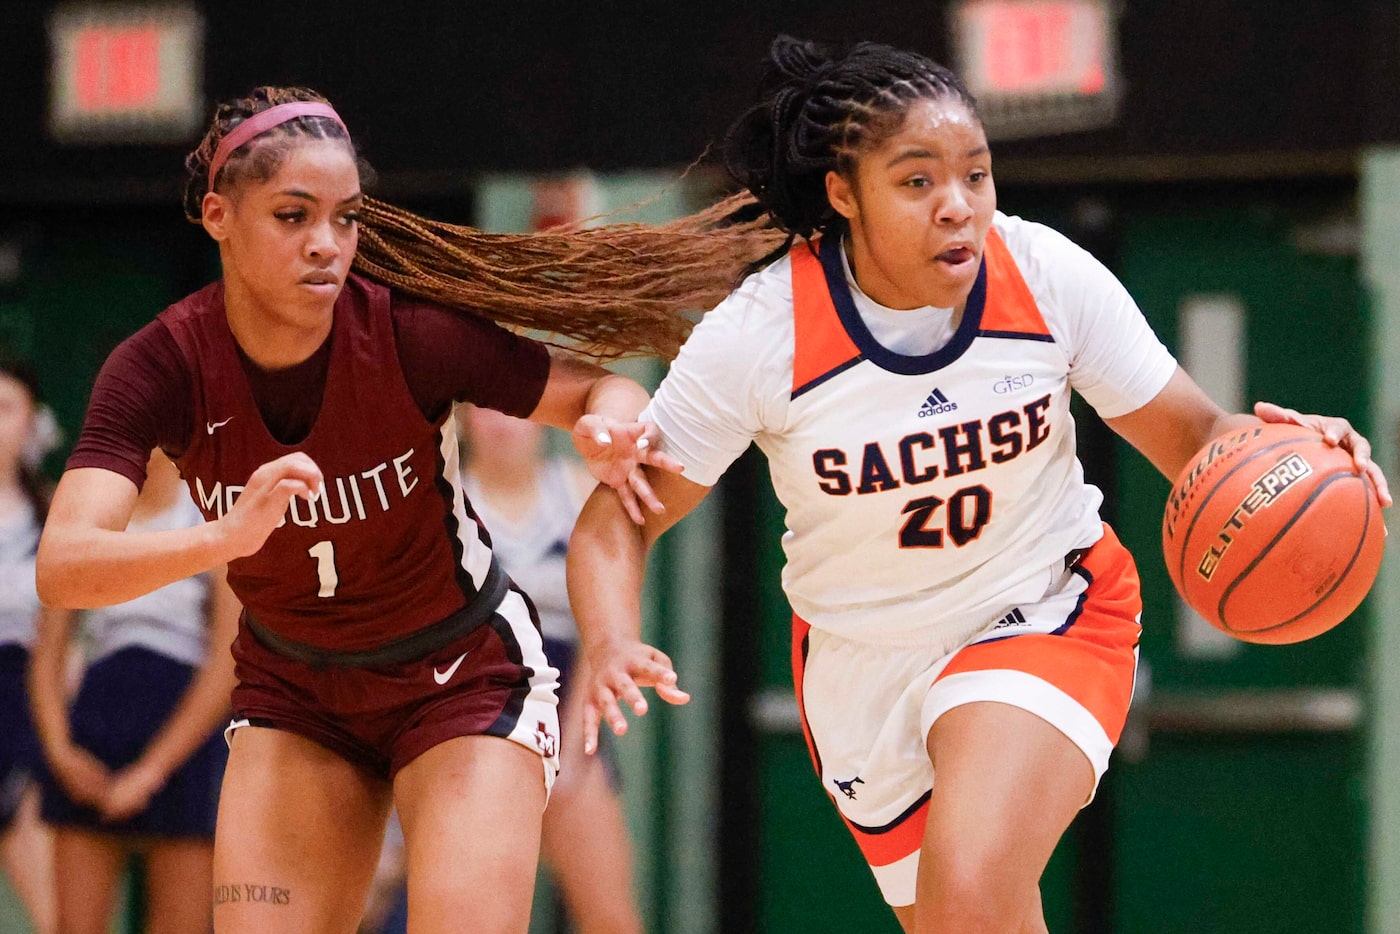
x=611 y=291
x=817 y=111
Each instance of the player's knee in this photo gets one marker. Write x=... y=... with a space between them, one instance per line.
x=968 y=893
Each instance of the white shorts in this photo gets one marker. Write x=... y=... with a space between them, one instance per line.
x=867 y=709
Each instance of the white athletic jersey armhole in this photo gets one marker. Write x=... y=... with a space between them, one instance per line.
x=1116 y=361
x=732 y=379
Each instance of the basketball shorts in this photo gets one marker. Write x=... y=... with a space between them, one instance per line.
x=19 y=744
x=1069 y=658
x=123 y=701
x=494 y=681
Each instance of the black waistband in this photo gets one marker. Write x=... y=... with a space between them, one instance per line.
x=410 y=648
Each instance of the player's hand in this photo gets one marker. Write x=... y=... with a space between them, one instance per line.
x=263 y=502
x=614 y=452
x=131 y=791
x=1336 y=432
x=619 y=671
x=83 y=776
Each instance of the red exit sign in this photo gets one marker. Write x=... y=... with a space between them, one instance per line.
x=125 y=73
x=1039 y=66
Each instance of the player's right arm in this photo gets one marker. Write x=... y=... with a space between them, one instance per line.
x=141 y=400
x=88 y=559
x=606 y=566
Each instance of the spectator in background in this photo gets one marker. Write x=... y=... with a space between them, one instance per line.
x=135 y=766
x=528 y=504
x=26 y=433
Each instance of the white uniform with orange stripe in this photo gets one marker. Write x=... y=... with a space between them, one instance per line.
x=932 y=494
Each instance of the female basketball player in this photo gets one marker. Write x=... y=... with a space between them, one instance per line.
x=26 y=845
x=966 y=631
x=135 y=765
x=382 y=653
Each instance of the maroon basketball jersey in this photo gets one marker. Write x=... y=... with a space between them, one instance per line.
x=390 y=545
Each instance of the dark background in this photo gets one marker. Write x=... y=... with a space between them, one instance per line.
x=437 y=90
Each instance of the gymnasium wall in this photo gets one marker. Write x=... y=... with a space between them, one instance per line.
x=440 y=89
x=458 y=104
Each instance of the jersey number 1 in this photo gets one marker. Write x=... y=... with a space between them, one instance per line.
x=968 y=511
x=324 y=553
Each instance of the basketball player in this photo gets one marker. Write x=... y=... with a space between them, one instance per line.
x=135 y=765
x=383 y=653
x=966 y=627
x=26 y=845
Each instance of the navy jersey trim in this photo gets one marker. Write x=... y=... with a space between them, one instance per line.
x=1078 y=604
x=802 y=708
x=1017 y=336
x=833 y=372
x=1070 y=620
x=877 y=353
x=908 y=813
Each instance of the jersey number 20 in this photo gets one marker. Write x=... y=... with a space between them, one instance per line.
x=968 y=511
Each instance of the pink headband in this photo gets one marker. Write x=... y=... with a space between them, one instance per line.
x=260 y=123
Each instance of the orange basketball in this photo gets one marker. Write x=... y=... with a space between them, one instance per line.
x=1272 y=535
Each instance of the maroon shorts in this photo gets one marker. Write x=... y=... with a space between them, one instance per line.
x=495 y=681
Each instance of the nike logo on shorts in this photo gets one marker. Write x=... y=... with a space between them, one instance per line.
x=442 y=677
x=210 y=426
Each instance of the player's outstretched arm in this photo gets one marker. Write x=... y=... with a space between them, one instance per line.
x=601 y=409
x=606 y=565
x=1179 y=421
x=88 y=559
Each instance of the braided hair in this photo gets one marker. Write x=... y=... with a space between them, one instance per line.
x=261 y=157
x=612 y=291
x=817 y=111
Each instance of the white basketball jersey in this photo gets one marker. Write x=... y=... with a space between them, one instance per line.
x=928 y=494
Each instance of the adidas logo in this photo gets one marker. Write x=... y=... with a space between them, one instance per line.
x=1014 y=618
x=936 y=404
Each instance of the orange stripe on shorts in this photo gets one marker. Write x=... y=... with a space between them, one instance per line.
x=880 y=847
x=904 y=835
x=1092 y=660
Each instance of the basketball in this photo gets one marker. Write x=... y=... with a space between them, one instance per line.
x=1272 y=535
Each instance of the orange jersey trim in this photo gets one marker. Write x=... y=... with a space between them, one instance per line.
x=821 y=346
x=1011 y=309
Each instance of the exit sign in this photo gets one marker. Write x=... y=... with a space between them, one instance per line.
x=125 y=73
x=1039 y=67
